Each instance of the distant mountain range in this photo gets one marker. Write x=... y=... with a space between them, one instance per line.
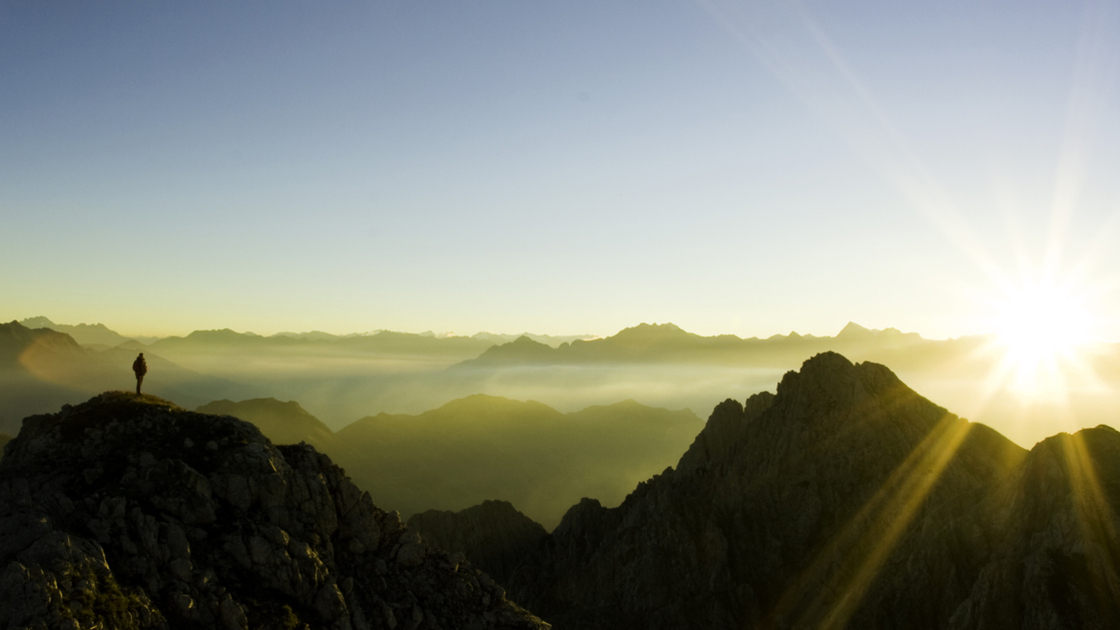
x=642 y=344
x=341 y=378
x=668 y=343
x=101 y=335
x=84 y=334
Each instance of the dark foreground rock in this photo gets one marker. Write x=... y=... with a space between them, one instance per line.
x=846 y=500
x=129 y=512
x=494 y=536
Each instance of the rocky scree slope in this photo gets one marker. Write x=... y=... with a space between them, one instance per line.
x=129 y=512
x=846 y=500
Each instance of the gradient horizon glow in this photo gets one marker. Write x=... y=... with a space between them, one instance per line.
x=732 y=167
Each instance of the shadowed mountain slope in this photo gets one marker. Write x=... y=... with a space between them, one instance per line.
x=128 y=512
x=846 y=500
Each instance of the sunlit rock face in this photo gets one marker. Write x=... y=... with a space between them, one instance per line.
x=846 y=500
x=132 y=513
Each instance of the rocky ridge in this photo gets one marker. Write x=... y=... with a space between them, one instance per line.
x=129 y=512
x=846 y=500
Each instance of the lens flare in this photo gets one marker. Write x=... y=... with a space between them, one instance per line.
x=1042 y=332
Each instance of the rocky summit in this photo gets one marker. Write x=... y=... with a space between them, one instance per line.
x=846 y=500
x=129 y=512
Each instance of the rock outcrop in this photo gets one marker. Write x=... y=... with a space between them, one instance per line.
x=846 y=500
x=494 y=536
x=129 y=512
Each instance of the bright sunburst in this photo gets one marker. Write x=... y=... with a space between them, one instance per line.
x=1041 y=327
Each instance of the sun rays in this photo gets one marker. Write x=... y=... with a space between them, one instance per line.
x=1041 y=320
x=846 y=567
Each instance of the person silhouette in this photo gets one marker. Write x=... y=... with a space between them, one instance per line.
x=140 y=366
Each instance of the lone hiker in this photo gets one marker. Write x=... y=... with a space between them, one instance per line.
x=140 y=366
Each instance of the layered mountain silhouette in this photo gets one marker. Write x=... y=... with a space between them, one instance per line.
x=339 y=378
x=845 y=500
x=128 y=512
x=384 y=342
x=668 y=343
x=84 y=334
x=482 y=447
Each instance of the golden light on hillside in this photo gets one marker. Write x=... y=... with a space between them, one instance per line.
x=845 y=569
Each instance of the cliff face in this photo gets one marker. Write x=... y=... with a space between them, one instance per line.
x=846 y=500
x=137 y=514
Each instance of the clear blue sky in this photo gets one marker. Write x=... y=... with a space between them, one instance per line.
x=557 y=167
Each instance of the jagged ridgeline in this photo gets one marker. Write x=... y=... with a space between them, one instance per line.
x=128 y=512
x=846 y=500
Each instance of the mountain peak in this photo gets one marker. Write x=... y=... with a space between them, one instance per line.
x=38 y=322
x=831 y=379
x=146 y=515
x=853 y=330
x=667 y=328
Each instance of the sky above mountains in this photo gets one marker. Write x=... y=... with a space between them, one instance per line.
x=578 y=167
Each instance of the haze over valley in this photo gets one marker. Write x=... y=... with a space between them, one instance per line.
x=341 y=379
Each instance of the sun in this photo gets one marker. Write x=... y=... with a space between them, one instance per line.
x=1041 y=328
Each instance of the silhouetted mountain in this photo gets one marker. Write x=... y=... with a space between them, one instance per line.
x=4 y=439
x=314 y=335
x=668 y=343
x=846 y=500
x=548 y=340
x=494 y=536
x=32 y=370
x=128 y=512
x=84 y=334
x=388 y=343
x=484 y=447
x=20 y=343
x=43 y=369
x=854 y=332
x=281 y=422
x=520 y=351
